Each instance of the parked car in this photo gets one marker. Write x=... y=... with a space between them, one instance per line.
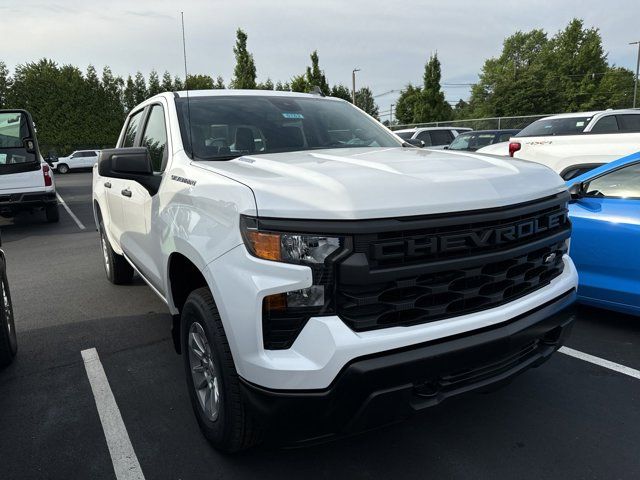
x=314 y=282
x=574 y=143
x=472 y=141
x=80 y=159
x=26 y=181
x=8 y=341
x=605 y=246
x=500 y=148
x=432 y=137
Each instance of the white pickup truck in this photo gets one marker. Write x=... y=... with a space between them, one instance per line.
x=574 y=143
x=323 y=276
x=26 y=181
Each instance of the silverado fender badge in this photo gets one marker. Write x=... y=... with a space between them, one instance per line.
x=183 y=180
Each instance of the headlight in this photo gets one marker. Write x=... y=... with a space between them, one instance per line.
x=284 y=314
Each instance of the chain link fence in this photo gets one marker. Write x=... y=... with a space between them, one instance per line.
x=493 y=123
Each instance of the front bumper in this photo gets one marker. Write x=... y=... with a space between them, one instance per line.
x=380 y=389
x=15 y=202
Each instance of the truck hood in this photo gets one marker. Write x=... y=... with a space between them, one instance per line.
x=359 y=183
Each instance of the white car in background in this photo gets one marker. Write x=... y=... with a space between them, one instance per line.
x=574 y=143
x=435 y=138
x=77 y=160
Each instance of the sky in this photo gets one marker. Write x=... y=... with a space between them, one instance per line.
x=389 y=41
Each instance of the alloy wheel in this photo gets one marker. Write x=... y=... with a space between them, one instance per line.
x=204 y=373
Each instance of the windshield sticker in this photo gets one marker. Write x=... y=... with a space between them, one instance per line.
x=293 y=116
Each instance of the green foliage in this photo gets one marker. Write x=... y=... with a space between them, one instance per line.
x=426 y=104
x=365 y=101
x=199 y=82
x=537 y=75
x=315 y=76
x=283 y=87
x=299 y=84
x=340 y=91
x=244 y=73
x=167 y=82
x=5 y=84
x=268 y=85
x=154 y=84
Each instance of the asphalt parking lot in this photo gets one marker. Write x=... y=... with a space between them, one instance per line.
x=567 y=419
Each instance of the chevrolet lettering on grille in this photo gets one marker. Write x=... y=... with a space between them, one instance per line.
x=431 y=244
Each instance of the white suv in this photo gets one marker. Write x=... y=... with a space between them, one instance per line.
x=435 y=138
x=574 y=143
x=325 y=282
x=26 y=181
x=77 y=160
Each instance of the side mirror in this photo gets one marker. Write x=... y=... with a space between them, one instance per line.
x=414 y=142
x=132 y=163
x=577 y=191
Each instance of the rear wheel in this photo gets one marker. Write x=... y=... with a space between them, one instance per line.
x=52 y=213
x=118 y=270
x=63 y=168
x=212 y=380
x=8 y=341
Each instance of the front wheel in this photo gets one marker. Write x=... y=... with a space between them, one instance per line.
x=8 y=340
x=212 y=380
x=63 y=168
x=118 y=270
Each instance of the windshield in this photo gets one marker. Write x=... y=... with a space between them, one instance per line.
x=13 y=130
x=225 y=127
x=461 y=142
x=555 y=126
x=405 y=135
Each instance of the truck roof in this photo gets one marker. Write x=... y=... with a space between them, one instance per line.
x=248 y=93
x=591 y=114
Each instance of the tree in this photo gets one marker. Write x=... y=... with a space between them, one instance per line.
x=365 y=101
x=406 y=104
x=315 y=76
x=199 y=82
x=154 y=84
x=219 y=83
x=140 y=91
x=299 y=84
x=283 y=87
x=5 y=85
x=431 y=105
x=167 y=82
x=178 y=85
x=340 y=91
x=244 y=73
x=268 y=85
x=129 y=94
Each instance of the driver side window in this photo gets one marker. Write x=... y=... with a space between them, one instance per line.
x=621 y=183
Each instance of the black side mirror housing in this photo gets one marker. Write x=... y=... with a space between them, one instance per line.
x=577 y=191
x=132 y=163
x=414 y=142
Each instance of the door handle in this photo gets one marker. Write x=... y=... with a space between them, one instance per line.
x=126 y=192
x=107 y=184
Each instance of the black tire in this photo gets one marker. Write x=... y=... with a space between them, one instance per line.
x=8 y=341
x=63 y=168
x=116 y=267
x=52 y=213
x=234 y=429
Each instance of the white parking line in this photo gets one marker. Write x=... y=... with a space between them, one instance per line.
x=601 y=362
x=124 y=459
x=71 y=214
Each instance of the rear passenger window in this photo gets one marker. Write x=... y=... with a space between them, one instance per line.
x=132 y=130
x=426 y=138
x=607 y=124
x=155 y=138
x=629 y=123
x=441 y=137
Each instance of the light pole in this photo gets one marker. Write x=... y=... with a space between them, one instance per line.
x=353 y=80
x=391 y=114
x=635 y=83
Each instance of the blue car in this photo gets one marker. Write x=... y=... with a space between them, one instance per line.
x=605 y=243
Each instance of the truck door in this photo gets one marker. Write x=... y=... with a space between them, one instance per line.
x=115 y=186
x=141 y=240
